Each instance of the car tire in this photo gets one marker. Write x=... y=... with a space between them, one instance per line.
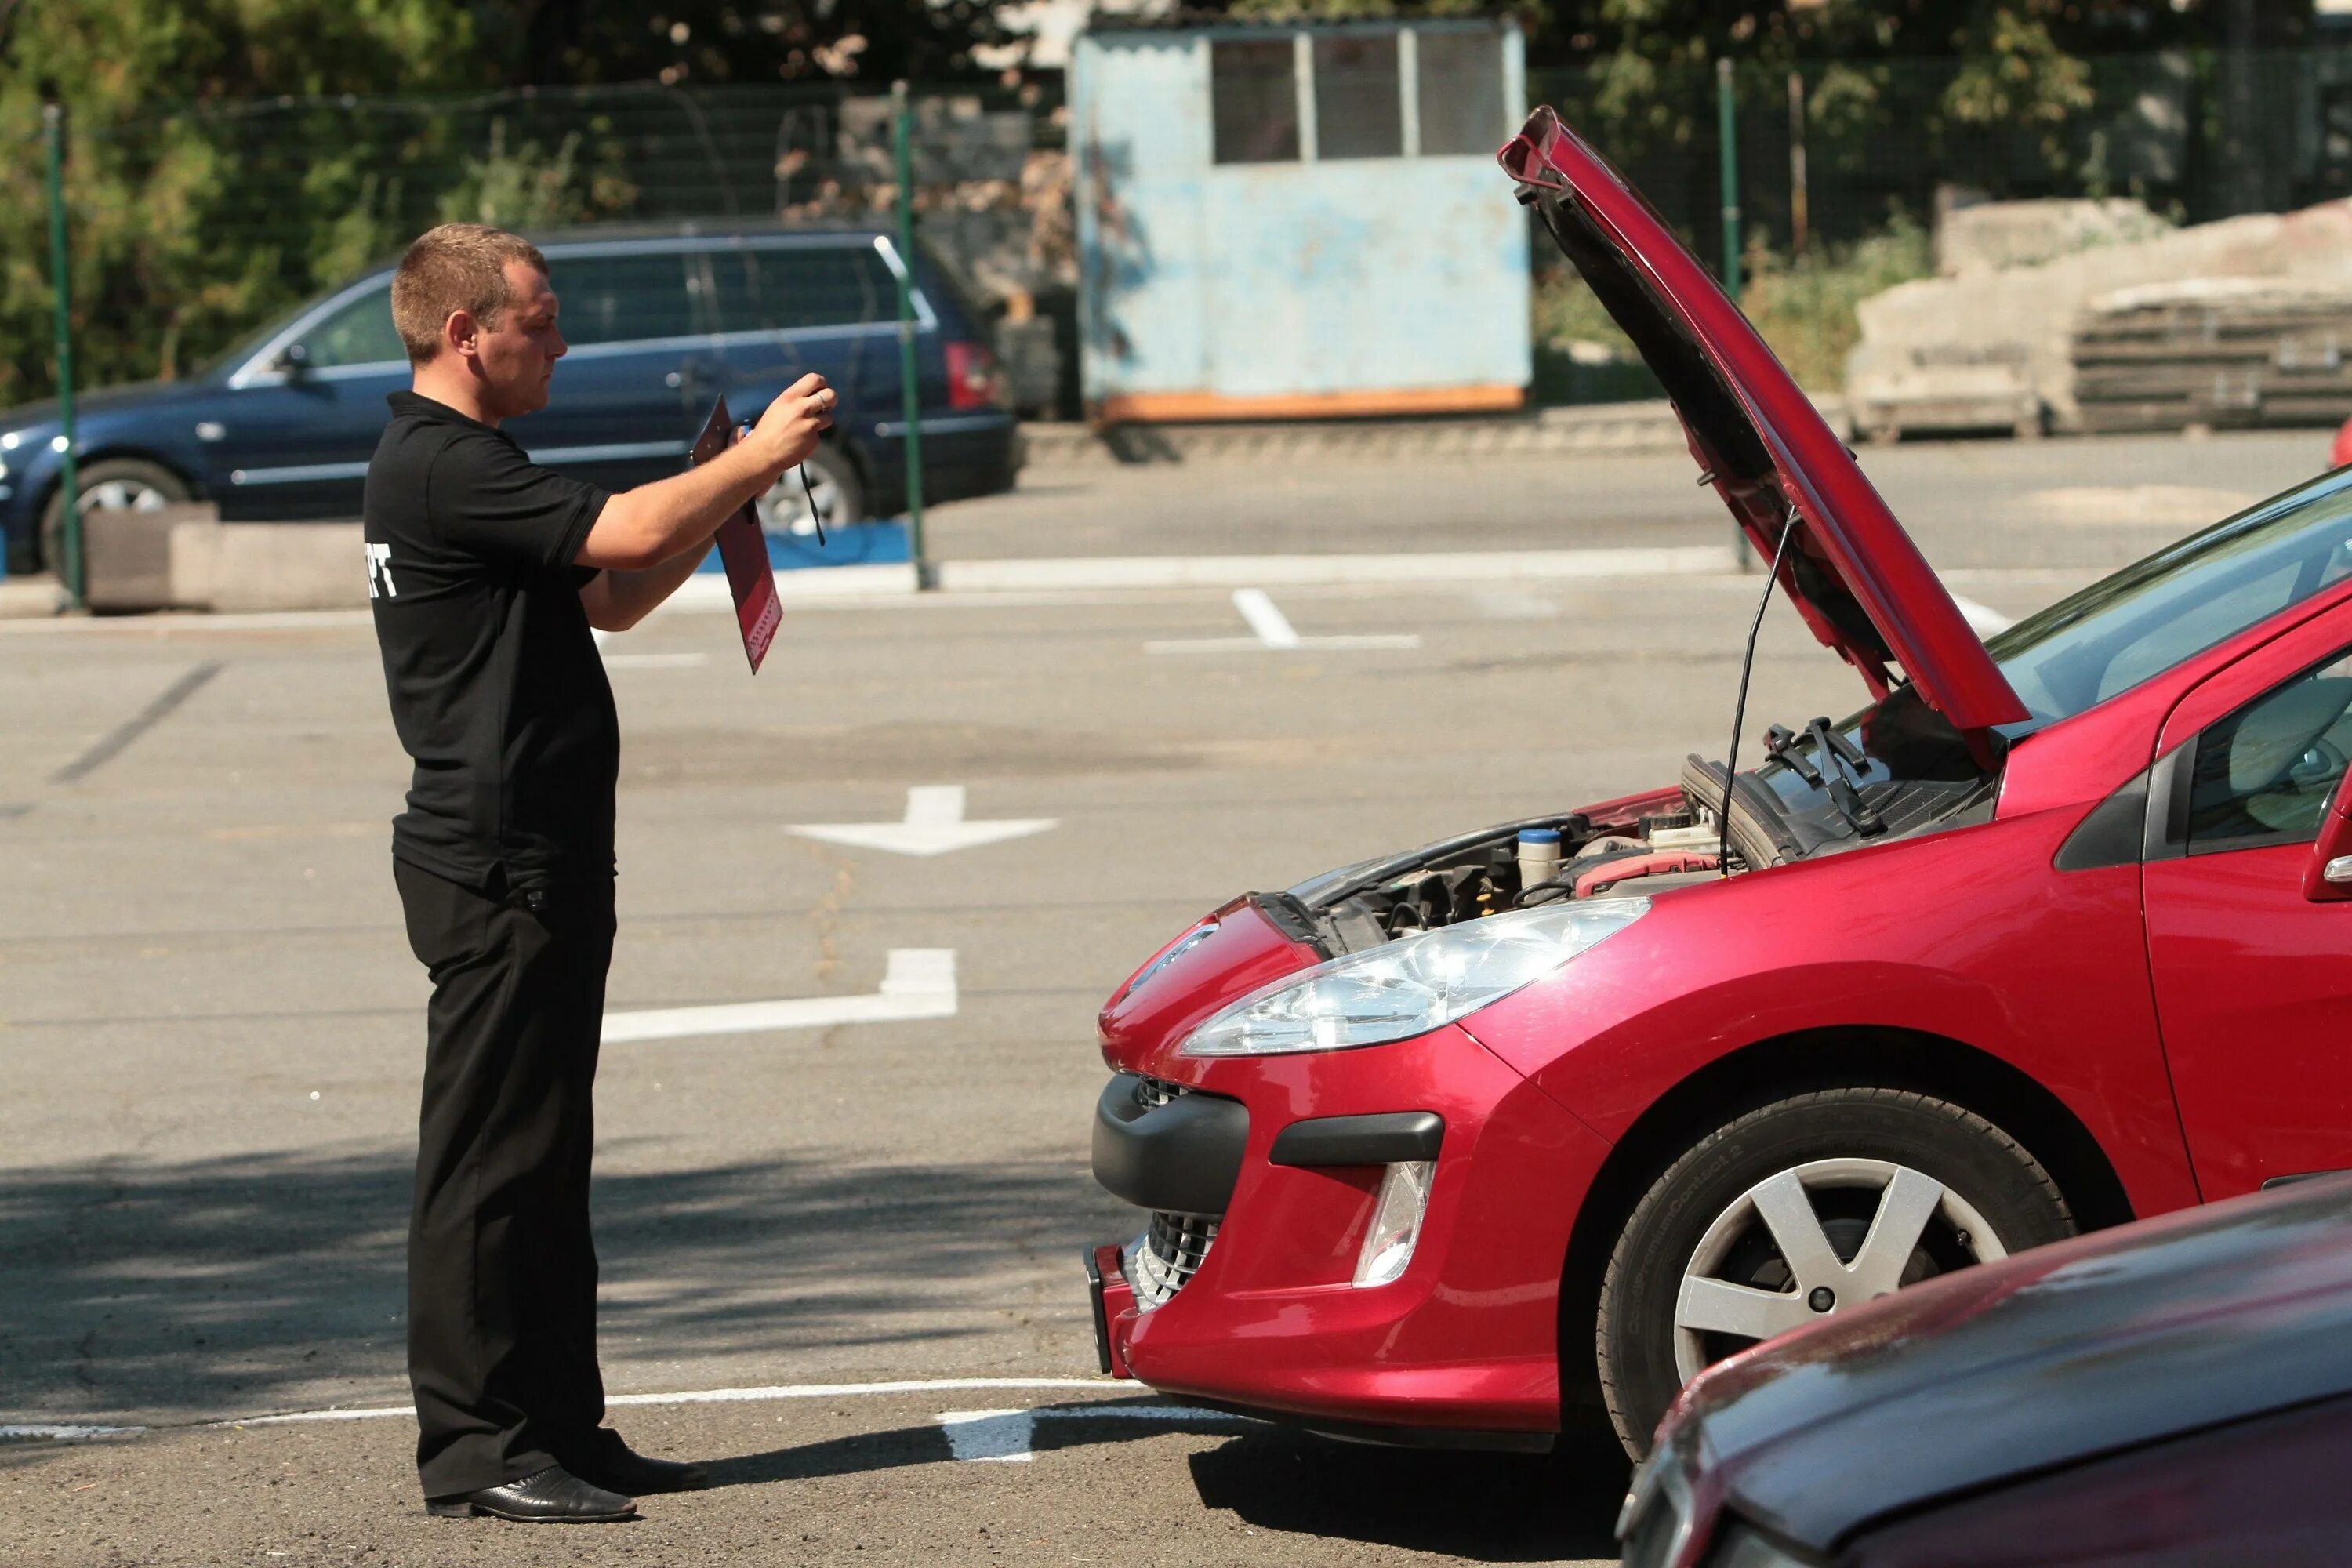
x=130 y=483
x=832 y=480
x=1698 y=1252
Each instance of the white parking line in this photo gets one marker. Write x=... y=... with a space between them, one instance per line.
x=1272 y=633
x=49 y=1432
x=656 y=660
x=1983 y=619
x=1272 y=626
x=1008 y=1437
x=917 y=983
x=714 y=1396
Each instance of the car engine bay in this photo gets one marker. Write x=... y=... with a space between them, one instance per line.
x=1893 y=772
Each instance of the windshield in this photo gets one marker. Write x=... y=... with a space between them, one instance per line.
x=2179 y=602
x=1899 y=763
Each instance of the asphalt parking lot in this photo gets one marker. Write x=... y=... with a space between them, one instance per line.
x=840 y=1241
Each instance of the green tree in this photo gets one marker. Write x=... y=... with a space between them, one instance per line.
x=153 y=189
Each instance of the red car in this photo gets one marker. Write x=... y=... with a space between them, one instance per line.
x=1451 y=1144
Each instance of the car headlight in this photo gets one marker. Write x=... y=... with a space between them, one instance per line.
x=1409 y=987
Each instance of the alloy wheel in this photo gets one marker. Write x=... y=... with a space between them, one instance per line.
x=784 y=510
x=1815 y=1239
x=121 y=495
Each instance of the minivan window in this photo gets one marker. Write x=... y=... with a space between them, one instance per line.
x=793 y=288
x=612 y=298
x=2180 y=601
x=358 y=332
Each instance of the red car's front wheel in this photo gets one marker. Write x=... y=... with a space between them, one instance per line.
x=1798 y=1209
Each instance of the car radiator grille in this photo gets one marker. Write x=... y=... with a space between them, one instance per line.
x=1170 y=1252
x=1154 y=1092
x=1169 y=1255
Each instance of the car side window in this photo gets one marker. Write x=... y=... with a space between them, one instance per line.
x=621 y=299
x=359 y=331
x=793 y=287
x=2264 y=774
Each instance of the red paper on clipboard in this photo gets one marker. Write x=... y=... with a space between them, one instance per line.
x=744 y=550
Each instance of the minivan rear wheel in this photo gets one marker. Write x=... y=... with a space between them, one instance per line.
x=1798 y=1209
x=832 y=481
x=112 y=484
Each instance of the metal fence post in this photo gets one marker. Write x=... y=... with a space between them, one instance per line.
x=1799 y=198
x=910 y=395
x=53 y=117
x=1727 y=137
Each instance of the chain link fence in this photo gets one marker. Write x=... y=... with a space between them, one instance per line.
x=190 y=229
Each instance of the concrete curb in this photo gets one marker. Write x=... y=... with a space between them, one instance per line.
x=31 y=599
x=707 y=592
x=1113 y=572
x=1612 y=427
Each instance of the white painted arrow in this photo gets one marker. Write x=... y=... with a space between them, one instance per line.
x=917 y=982
x=934 y=825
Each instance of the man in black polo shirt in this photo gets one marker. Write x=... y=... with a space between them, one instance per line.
x=486 y=574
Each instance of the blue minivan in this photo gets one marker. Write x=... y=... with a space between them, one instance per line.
x=660 y=322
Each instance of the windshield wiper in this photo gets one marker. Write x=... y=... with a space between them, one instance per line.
x=1841 y=757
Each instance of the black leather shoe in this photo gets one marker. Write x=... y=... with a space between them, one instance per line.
x=551 y=1495
x=623 y=1470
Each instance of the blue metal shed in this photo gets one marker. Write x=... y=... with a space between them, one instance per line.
x=1297 y=221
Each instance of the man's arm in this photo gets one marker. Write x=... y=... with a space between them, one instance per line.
x=656 y=523
x=616 y=601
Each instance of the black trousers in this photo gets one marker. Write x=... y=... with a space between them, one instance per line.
x=501 y=1270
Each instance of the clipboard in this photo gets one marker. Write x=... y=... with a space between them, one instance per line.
x=744 y=550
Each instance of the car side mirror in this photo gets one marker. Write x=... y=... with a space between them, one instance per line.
x=2329 y=875
x=293 y=359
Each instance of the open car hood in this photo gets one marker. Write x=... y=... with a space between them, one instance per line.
x=1859 y=583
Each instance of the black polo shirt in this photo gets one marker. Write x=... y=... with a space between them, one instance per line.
x=498 y=690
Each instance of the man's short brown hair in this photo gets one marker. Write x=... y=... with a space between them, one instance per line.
x=457 y=267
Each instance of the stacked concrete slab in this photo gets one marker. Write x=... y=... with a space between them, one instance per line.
x=2221 y=352
x=1991 y=345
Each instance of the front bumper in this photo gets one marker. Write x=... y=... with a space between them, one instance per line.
x=1267 y=1317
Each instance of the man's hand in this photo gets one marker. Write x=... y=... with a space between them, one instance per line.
x=657 y=522
x=787 y=433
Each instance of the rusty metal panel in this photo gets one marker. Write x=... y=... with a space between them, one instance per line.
x=1140 y=130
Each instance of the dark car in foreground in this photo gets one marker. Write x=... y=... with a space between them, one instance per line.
x=2170 y=1392
x=660 y=322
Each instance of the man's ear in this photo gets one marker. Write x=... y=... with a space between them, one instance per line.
x=459 y=334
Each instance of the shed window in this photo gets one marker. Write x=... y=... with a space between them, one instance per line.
x=1461 y=93
x=1358 y=112
x=1253 y=99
